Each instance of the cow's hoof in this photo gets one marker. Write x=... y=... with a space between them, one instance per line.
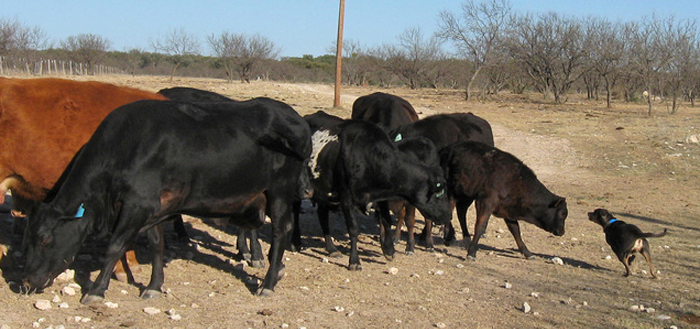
x=91 y=299
x=150 y=294
x=335 y=254
x=409 y=252
x=531 y=257
x=355 y=267
x=257 y=263
x=389 y=257
x=471 y=258
x=262 y=292
x=247 y=257
x=430 y=249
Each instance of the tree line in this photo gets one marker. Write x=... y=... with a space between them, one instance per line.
x=484 y=49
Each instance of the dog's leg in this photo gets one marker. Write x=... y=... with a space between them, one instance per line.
x=626 y=262
x=647 y=255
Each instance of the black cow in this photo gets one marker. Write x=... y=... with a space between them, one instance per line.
x=149 y=160
x=443 y=130
x=386 y=110
x=503 y=186
x=355 y=163
x=389 y=112
x=252 y=251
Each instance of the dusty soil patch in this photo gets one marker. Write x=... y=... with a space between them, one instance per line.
x=640 y=167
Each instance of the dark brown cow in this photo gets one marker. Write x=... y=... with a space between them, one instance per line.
x=503 y=186
x=43 y=123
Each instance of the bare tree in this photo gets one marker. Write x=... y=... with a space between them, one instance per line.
x=606 y=52
x=20 y=42
x=241 y=53
x=477 y=32
x=410 y=59
x=553 y=48
x=178 y=45
x=683 y=41
x=88 y=49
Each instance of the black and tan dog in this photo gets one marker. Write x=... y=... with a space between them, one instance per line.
x=625 y=239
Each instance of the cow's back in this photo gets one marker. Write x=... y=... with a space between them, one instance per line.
x=386 y=110
x=446 y=129
x=43 y=123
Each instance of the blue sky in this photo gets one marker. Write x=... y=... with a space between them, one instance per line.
x=297 y=27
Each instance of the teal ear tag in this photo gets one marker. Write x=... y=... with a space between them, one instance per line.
x=80 y=212
x=398 y=138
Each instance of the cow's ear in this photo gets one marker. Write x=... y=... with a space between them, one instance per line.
x=558 y=202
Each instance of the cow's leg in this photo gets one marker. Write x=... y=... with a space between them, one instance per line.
x=323 y=218
x=282 y=217
x=296 y=231
x=242 y=246
x=410 y=215
x=400 y=220
x=428 y=235
x=179 y=228
x=462 y=207
x=123 y=270
x=484 y=209
x=257 y=260
x=122 y=238
x=514 y=228
x=353 y=231
x=156 y=244
x=384 y=229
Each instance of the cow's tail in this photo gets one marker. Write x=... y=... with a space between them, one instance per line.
x=655 y=235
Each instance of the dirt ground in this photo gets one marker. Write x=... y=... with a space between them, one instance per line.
x=644 y=169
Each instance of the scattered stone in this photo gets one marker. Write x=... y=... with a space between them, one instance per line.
x=85 y=320
x=63 y=305
x=584 y=303
x=284 y=325
x=124 y=292
x=339 y=309
x=526 y=307
x=212 y=294
x=56 y=299
x=324 y=260
x=393 y=270
x=151 y=310
x=415 y=275
x=67 y=275
x=68 y=291
x=440 y=325
x=176 y=317
x=608 y=257
x=650 y=310
x=664 y=317
x=535 y=294
x=194 y=305
x=266 y=312
x=42 y=305
x=463 y=291
x=111 y=305
x=634 y=308
x=351 y=313
x=439 y=272
x=459 y=266
x=507 y=285
x=556 y=261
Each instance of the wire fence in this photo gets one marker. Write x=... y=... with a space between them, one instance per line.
x=41 y=67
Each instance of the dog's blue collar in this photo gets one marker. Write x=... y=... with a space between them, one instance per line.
x=612 y=221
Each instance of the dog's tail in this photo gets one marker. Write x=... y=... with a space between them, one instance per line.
x=654 y=235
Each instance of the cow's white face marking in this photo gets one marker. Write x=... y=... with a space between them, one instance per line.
x=319 y=140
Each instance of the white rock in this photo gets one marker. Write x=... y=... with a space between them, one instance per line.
x=393 y=270
x=74 y=286
x=339 y=309
x=608 y=257
x=439 y=272
x=85 y=320
x=42 y=304
x=151 y=310
x=556 y=261
x=507 y=285
x=124 y=292
x=284 y=325
x=440 y=325
x=176 y=317
x=56 y=299
x=63 y=305
x=68 y=291
x=650 y=310
x=351 y=313
x=111 y=305
x=535 y=294
x=634 y=308
x=36 y=325
x=459 y=266
x=67 y=275
x=324 y=260
x=664 y=317
x=60 y=326
x=526 y=307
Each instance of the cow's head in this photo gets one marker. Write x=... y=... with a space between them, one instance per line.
x=431 y=197
x=551 y=217
x=51 y=241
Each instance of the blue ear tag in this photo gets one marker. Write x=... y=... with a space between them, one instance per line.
x=80 y=212
x=398 y=138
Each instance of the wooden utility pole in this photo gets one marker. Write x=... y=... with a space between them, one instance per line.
x=339 y=55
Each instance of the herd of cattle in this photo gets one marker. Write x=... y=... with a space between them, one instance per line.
x=85 y=158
